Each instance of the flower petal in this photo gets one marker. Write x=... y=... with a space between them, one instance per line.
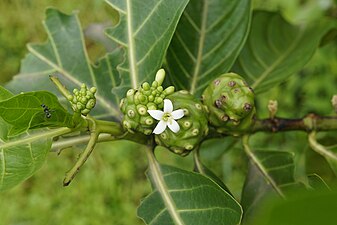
x=161 y=126
x=177 y=114
x=168 y=107
x=156 y=114
x=173 y=125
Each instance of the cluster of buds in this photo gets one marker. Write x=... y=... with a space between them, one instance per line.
x=231 y=104
x=137 y=102
x=83 y=100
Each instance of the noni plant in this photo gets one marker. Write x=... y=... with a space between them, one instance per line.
x=222 y=99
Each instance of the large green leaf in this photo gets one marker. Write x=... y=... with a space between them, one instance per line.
x=207 y=41
x=145 y=30
x=269 y=173
x=276 y=49
x=181 y=198
x=65 y=55
x=25 y=111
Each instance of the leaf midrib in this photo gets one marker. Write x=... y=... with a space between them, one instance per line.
x=157 y=177
x=35 y=137
x=131 y=46
x=261 y=167
x=200 y=47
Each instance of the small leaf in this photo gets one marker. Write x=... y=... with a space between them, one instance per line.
x=182 y=197
x=24 y=111
x=276 y=49
x=144 y=31
x=207 y=41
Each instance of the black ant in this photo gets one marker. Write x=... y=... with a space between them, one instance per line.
x=46 y=111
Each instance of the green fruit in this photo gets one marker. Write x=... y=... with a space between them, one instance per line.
x=136 y=103
x=230 y=102
x=193 y=126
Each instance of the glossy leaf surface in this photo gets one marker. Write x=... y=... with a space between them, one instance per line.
x=144 y=31
x=207 y=41
x=182 y=197
x=276 y=49
x=269 y=173
x=25 y=111
x=21 y=156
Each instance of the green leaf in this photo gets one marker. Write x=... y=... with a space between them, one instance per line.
x=182 y=197
x=4 y=94
x=22 y=156
x=276 y=49
x=317 y=183
x=213 y=149
x=24 y=111
x=144 y=31
x=309 y=208
x=65 y=55
x=328 y=154
x=207 y=41
x=202 y=169
x=269 y=173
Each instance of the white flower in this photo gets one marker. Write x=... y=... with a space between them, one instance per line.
x=166 y=117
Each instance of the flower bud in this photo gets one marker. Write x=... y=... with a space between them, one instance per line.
x=84 y=100
x=139 y=101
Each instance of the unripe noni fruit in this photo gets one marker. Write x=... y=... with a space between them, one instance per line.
x=193 y=126
x=230 y=102
x=136 y=103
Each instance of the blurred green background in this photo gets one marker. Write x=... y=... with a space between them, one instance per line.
x=111 y=184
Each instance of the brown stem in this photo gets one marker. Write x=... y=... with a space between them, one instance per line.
x=310 y=122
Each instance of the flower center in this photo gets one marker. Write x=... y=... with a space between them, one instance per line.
x=166 y=117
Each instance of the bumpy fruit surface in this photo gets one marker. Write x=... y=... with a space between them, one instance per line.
x=230 y=102
x=193 y=126
x=83 y=100
x=136 y=103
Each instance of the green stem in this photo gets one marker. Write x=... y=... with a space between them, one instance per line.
x=197 y=162
x=60 y=86
x=69 y=142
x=94 y=133
x=113 y=128
x=261 y=168
x=320 y=149
x=31 y=138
